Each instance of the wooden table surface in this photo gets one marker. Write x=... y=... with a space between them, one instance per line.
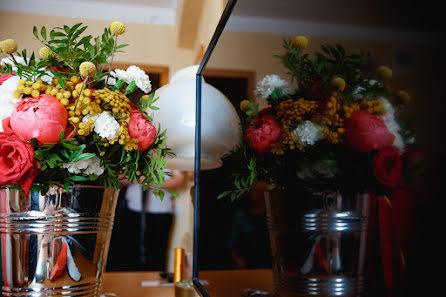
x=220 y=283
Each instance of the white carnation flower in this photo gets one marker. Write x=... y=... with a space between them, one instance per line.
x=373 y=82
x=111 y=81
x=134 y=73
x=120 y=74
x=104 y=124
x=86 y=166
x=7 y=99
x=47 y=77
x=308 y=132
x=140 y=77
x=269 y=83
x=392 y=125
x=91 y=117
x=357 y=92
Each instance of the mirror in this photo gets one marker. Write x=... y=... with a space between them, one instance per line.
x=401 y=34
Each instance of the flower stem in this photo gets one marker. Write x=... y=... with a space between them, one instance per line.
x=111 y=61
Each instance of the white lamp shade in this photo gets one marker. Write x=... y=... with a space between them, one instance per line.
x=219 y=121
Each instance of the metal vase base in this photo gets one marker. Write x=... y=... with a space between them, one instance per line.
x=55 y=244
x=318 y=242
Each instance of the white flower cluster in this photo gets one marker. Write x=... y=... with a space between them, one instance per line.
x=316 y=170
x=133 y=73
x=7 y=99
x=104 y=124
x=46 y=78
x=392 y=125
x=86 y=166
x=9 y=61
x=269 y=83
x=308 y=132
x=358 y=90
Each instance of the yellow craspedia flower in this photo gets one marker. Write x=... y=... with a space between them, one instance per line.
x=338 y=82
x=384 y=72
x=117 y=28
x=45 y=53
x=244 y=105
x=8 y=46
x=87 y=68
x=402 y=97
x=301 y=41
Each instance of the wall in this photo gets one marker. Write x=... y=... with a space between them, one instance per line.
x=148 y=44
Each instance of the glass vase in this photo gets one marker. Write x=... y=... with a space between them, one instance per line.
x=55 y=244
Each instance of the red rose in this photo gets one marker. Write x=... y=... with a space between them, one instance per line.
x=265 y=131
x=4 y=77
x=17 y=163
x=366 y=132
x=388 y=166
x=140 y=128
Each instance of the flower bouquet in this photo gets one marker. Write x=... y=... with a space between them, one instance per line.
x=332 y=146
x=339 y=125
x=70 y=134
x=66 y=121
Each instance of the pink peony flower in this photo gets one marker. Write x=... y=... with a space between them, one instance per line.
x=17 y=163
x=366 y=132
x=42 y=118
x=140 y=128
x=4 y=77
x=264 y=132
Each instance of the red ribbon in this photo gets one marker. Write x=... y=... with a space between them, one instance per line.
x=61 y=263
x=389 y=226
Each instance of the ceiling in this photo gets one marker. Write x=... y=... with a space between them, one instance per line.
x=350 y=18
x=396 y=14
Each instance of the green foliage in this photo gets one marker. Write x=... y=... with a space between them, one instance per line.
x=313 y=76
x=69 y=49
x=146 y=102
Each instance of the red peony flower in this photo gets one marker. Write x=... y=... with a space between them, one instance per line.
x=17 y=163
x=4 y=77
x=42 y=118
x=265 y=131
x=366 y=132
x=388 y=165
x=140 y=128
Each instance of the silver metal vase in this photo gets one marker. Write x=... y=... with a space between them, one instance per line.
x=318 y=241
x=55 y=244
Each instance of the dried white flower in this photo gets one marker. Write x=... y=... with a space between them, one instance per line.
x=392 y=125
x=104 y=124
x=86 y=166
x=308 y=132
x=7 y=99
x=269 y=83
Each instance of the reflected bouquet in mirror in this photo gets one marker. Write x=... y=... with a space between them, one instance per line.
x=65 y=120
x=336 y=122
